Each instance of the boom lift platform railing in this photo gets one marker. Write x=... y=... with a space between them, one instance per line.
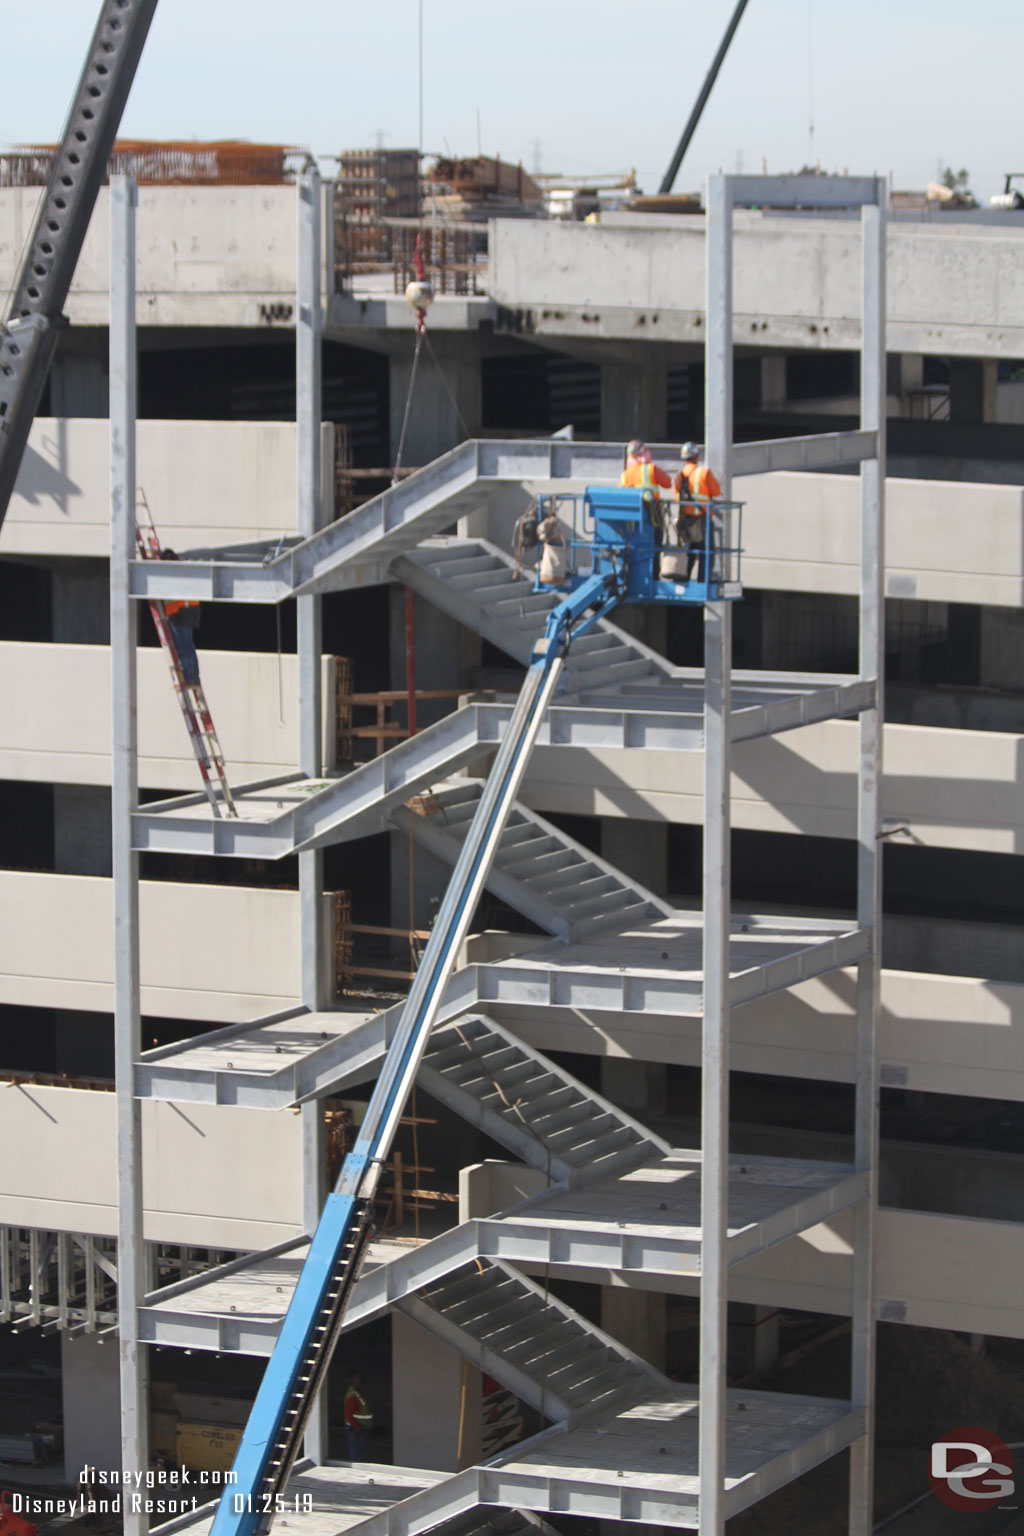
x=624 y=568
x=190 y=696
x=651 y=545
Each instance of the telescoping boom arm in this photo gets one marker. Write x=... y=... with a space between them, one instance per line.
x=311 y=1327
x=28 y=338
x=621 y=556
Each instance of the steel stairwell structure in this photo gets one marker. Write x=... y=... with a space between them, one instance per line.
x=538 y=869
x=310 y=1330
x=712 y=1494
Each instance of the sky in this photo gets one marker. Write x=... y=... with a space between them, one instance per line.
x=576 y=86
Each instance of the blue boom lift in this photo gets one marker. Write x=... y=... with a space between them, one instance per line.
x=618 y=541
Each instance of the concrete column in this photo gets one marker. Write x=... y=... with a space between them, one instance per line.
x=753 y=1338
x=83 y=1043
x=637 y=848
x=81 y=602
x=973 y=388
x=92 y=1404
x=429 y=881
x=648 y=622
x=81 y=829
x=911 y=366
x=1002 y=639
x=637 y=1319
x=435 y=1395
x=773 y=383
x=445 y=657
x=446 y=653
x=446 y=401
x=634 y=398
x=80 y=374
x=638 y=1087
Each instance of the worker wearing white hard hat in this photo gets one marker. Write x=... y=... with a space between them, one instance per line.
x=695 y=488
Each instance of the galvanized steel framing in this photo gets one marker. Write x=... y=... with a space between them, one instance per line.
x=360 y=550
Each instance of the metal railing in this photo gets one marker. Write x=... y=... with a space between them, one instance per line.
x=674 y=521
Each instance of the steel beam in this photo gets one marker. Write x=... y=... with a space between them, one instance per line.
x=869 y=853
x=717 y=1000
x=527 y=986
x=308 y=396
x=809 y=191
x=819 y=450
x=363 y=800
x=573 y=1246
x=124 y=799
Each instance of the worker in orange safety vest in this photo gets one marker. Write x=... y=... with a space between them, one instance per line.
x=641 y=471
x=695 y=484
x=182 y=617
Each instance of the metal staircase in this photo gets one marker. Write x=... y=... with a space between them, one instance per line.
x=539 y=870
x=361 y=547
x=477 y=584
x=543 y=1351
x=534 y=1108
x=485 y=1521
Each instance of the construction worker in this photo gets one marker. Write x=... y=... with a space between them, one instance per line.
x=695 y=484
x=182 y=618
x=358 y=1419
x=641 y=470
x=554 y=551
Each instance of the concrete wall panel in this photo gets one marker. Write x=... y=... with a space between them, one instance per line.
x=796 y=281
x=946 y=541
x=207 y=482
x=933 y=1272
x=947 y=788
x=57 y=699
x=209 y=952
x=226 y=1177
x=206 y=255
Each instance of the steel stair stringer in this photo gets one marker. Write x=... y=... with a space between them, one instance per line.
x=476 y=583
x=535 y=1109
x=539 y=870
x=355 y=549
x=513 y=1329
x=478 y=1487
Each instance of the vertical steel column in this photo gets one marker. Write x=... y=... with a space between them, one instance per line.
x=308 y=335
x=869 y=848
x=313 y=932
x=715 y=1033
x=131 y=1256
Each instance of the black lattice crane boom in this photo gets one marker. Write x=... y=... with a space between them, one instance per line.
x=28 y=337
